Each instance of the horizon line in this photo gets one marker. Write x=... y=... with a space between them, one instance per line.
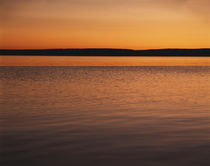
x=93 y=48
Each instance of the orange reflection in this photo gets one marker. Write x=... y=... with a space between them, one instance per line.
x=102 y=61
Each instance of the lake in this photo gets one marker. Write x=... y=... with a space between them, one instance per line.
x=142 y=111
x=102 y=61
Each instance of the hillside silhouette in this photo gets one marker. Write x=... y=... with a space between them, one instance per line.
x=108 y=52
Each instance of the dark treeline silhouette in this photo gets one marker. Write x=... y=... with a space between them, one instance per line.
x=109 y=52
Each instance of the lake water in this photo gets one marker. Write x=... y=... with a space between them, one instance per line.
x=102 y=61
x=105 y=116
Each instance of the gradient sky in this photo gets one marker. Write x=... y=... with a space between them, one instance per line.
x=135 y=24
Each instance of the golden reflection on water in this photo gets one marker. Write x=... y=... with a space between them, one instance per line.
x=102 y=61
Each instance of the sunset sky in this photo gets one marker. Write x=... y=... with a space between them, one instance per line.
x=134 y=24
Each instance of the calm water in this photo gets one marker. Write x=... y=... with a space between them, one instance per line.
x=102 y=61
x=105 y=116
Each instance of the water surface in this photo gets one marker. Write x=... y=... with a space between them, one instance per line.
x=99 y=116
x=102 y=61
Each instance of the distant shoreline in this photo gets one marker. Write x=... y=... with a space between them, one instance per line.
x=107 y=52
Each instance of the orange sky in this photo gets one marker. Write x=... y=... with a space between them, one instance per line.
x=135 y=24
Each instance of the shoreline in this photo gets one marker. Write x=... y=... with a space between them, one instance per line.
x=108 y=52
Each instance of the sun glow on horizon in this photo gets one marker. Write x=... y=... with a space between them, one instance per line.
x=141 y=24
